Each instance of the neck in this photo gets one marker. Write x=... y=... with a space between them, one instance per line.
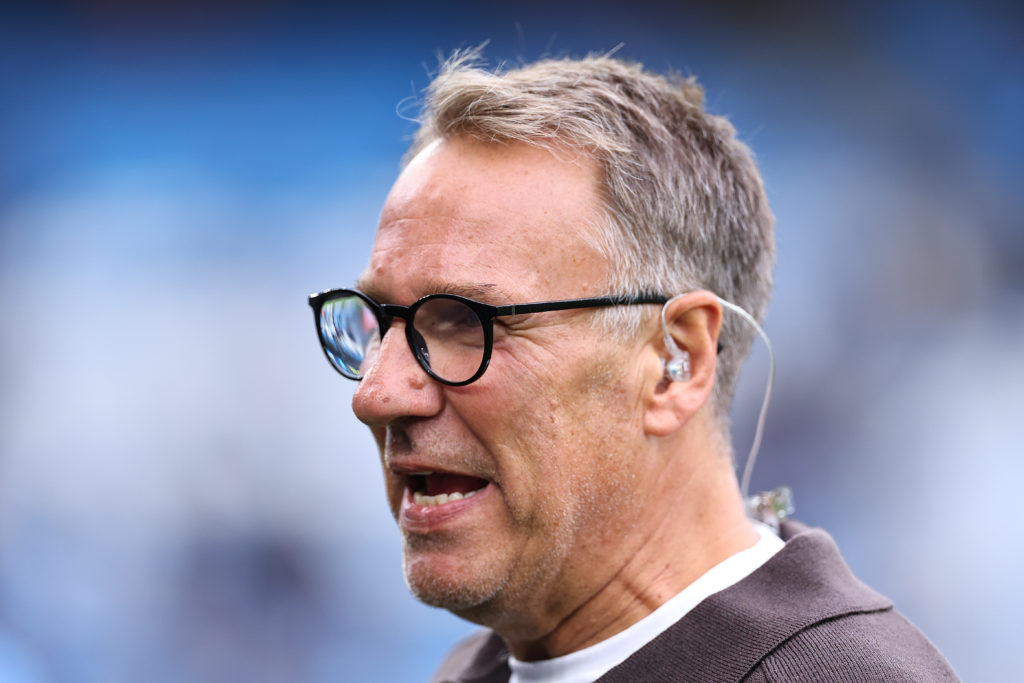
x=693 y=520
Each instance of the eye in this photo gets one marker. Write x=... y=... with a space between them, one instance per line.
x=449 y=321
x=458 y=317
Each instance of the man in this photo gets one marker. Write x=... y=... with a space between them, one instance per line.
x=561 y=471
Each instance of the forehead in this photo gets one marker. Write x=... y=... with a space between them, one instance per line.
x=489 y=220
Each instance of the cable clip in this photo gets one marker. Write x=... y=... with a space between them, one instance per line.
x=771 y=507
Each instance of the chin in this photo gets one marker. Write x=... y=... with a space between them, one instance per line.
x=458 y=589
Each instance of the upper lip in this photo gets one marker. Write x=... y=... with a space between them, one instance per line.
x=404 y=459
x=407 y=467
x=404 y=466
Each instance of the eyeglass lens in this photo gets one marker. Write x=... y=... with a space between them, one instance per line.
x=447 y=337
x=349 y=331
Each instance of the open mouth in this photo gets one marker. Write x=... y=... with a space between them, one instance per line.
x=437 y=488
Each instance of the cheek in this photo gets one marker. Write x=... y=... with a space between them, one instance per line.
x=598 y=429
x=569 y=436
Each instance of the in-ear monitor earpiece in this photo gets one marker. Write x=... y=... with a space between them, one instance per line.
x=677 y=368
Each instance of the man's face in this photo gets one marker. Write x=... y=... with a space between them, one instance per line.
x=546 y=440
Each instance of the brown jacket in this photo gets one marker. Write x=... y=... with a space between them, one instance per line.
x=802 y=616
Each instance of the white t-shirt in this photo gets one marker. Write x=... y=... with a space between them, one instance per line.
x=589 y=664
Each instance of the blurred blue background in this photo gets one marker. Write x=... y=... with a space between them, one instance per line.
x=184 y=494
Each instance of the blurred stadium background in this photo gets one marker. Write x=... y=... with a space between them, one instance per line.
x=184 y=494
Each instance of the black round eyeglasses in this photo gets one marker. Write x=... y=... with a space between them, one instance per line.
x=449 y=335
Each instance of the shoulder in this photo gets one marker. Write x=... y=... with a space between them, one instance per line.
x=803 y=615
x=480 y=656
x=863 y=646
x=840 y=628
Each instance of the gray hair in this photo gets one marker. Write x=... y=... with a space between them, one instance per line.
x=684 y=204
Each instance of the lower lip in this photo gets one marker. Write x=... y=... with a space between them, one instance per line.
x=426 y=518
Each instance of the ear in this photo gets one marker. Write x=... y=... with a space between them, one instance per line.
x=694 y=322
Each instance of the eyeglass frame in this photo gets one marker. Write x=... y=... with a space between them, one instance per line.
x=486 y=313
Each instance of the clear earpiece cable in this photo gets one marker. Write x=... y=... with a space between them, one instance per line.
x=755 y=447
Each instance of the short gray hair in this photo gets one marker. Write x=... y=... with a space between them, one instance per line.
x=684 y=203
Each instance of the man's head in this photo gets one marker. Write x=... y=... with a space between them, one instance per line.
x=574 y=462
x=682 y=203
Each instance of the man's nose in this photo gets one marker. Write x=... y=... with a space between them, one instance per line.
x=396 y=387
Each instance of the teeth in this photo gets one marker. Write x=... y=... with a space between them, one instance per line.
x=439 y=499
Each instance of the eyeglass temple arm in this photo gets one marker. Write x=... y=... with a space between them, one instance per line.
x=592 y=302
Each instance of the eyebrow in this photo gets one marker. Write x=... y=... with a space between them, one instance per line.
x=486 y=292
x=470 y=290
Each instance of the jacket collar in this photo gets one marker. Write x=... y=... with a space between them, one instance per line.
x=729 y=633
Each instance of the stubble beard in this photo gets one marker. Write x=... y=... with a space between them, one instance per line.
x=465 y=592
x=499 y=591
